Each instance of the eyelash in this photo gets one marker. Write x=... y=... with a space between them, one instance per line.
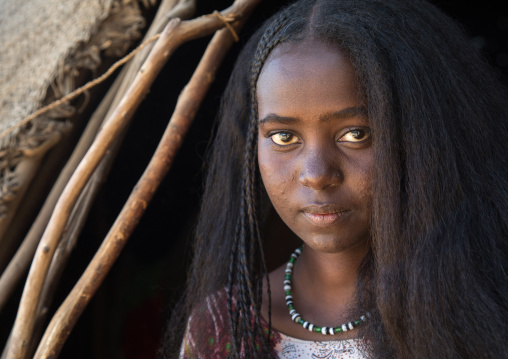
x=272 y=136
x=365 y=130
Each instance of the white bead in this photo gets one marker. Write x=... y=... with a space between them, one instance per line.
x=296 y=317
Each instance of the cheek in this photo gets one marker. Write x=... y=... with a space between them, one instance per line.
x=365 y=183
x=277 y=176
x=360 y=175
x=365 y=186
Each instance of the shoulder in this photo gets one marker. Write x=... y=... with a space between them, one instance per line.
x=208 y=334
x=207 y=329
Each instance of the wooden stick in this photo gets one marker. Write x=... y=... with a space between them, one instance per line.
x=21 y=260
x=19 y=264
x=174 y=34
x=186 y=108
x=167 y=10
x=25 y=319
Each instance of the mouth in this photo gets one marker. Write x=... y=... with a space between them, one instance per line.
x=324 y=215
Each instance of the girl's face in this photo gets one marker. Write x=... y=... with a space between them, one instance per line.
x=314 y=145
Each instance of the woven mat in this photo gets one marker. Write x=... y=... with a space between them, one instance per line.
x=45 y=44
x=36 y=36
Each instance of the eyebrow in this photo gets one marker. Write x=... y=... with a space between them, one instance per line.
x=338 y=115
x=345 y=113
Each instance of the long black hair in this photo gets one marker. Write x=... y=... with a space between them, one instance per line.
x=436 y=277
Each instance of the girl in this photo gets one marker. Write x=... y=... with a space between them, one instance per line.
x=378 y=135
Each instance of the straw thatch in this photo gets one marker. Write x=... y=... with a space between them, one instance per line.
x=47 y=44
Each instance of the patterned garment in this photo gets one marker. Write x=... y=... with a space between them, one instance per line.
x=207 y=336
x=292 y=348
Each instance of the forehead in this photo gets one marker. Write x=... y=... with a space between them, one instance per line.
x=306 y=76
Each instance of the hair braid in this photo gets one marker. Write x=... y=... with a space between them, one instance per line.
x=240 y=320
x=245 y=283
x=233 y=316
x=248 y=237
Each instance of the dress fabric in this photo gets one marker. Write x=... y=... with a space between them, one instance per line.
x=293 y=348
x=207 y=336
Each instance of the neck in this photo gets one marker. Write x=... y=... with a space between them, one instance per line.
x=331 y=277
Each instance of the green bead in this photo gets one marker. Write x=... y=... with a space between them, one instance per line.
x=299 y=319
x=228 y=347
x=211 y=341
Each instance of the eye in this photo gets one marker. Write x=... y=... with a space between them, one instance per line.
x=284 y=138
x=356 y=135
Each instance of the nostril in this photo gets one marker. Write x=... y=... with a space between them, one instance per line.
x=320 y=173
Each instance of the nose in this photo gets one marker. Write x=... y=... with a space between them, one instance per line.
x=320 y=169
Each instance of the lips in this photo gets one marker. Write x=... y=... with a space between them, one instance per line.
x=324 y=215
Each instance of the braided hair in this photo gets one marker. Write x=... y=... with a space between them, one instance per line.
x=248 y=235
x=435 y=279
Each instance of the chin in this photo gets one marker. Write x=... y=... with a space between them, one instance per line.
x=329 y=245
x=332 y=243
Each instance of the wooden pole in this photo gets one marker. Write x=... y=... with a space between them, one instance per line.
x=175 y=34
x=19 y=264
x=183 y=116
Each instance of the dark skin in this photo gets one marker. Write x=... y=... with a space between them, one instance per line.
x=315 y=158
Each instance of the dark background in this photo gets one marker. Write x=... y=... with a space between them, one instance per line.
x=126 y=317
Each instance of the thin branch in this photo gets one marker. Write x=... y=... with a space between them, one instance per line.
x=187 y=106
x=174 y=35
x=18 y=266
x=20 y=262
x=86 y=87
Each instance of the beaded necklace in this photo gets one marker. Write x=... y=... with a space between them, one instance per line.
x=296 y=317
